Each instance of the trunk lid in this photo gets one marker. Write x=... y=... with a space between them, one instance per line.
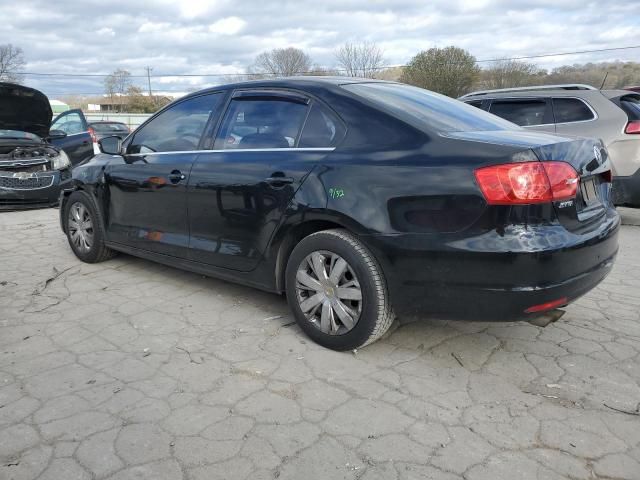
x=589 y=157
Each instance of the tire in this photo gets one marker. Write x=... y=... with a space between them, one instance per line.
x=320 y=254
x=90 y=248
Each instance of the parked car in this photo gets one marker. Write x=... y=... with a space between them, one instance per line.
x=610 y=115
x=32 y=169
x=391 y=199
x=77 y=141
x=106 y=128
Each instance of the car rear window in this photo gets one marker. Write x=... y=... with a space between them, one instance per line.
x=109 y=127
x=422 y=108
x=521 y=112
x=566 y=110
x=631 y=105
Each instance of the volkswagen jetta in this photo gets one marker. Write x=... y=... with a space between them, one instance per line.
x=358 y=199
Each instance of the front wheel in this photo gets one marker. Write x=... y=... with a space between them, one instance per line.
x=84 y=229
x=337 y=291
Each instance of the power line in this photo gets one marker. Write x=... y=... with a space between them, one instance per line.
x=184 y=75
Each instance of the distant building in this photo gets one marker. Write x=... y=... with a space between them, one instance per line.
x=107 y=104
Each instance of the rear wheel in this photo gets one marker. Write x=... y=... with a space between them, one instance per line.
x=85 y=230
x=337 y=291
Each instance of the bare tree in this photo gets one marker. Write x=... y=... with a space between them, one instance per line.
x=282 y=62
x=450 y=71
x=11 y=61
x=510 y=73
x=116 y=85
x=360 y=59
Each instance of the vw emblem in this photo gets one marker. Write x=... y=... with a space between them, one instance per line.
x=598 y=154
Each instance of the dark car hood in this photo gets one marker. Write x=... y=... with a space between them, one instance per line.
x=25 y=109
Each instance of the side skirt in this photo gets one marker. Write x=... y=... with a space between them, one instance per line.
x=242 y=278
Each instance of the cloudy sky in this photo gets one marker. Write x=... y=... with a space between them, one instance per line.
x=223 y=36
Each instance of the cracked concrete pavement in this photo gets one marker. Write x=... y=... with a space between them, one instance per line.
x=132 y=370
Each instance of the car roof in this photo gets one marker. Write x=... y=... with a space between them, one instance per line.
x=293 y=82
x=107 y=121
x=547 y=93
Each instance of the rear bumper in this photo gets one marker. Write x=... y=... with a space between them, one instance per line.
x=27 y=198
x=626 y=190
x=494 y=277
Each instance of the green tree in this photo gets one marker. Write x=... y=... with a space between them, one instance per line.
x=510 y=73
x=138 y=102
x=116 y=85
x=451 y=71
x=282 y=62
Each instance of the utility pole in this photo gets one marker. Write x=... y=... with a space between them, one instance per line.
x=149 y=81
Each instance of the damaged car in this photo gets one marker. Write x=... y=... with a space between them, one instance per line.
x=32 y=169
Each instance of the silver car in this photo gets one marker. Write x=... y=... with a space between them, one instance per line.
x=579 y=110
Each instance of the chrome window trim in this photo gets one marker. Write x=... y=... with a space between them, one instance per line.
x=229 y=150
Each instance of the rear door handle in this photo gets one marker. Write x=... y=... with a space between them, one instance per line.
x=175 y=176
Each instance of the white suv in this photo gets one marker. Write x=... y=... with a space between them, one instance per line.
x=613 y=116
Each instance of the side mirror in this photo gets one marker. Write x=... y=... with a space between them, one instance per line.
x=56 y=134
x=111 y=145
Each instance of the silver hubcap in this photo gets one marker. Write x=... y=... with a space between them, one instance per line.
x=328 y=292
x=80 y=227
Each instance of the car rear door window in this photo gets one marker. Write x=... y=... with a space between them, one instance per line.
x=521 y=112
x=261 y=122
x=179 y=128
x=568 y=110
x=322 y=128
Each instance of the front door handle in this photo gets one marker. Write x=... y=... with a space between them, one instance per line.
x=278 y=180
x=175 y=176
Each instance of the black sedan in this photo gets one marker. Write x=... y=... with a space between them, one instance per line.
x=105 y=128
x=358 y=199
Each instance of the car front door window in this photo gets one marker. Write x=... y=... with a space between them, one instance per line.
x=69 y=124
x=178 y=128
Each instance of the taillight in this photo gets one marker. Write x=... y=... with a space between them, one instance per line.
x=633 y=127
x=527 y=182
x=92 y=132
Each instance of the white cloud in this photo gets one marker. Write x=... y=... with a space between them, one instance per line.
x=211 y=36
x=194 y=8
x=227 y=26
x=152 y=27
x=106 y=31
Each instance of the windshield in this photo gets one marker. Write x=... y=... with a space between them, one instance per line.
x=18 y=134
x=110 y=127
x=422 y=108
